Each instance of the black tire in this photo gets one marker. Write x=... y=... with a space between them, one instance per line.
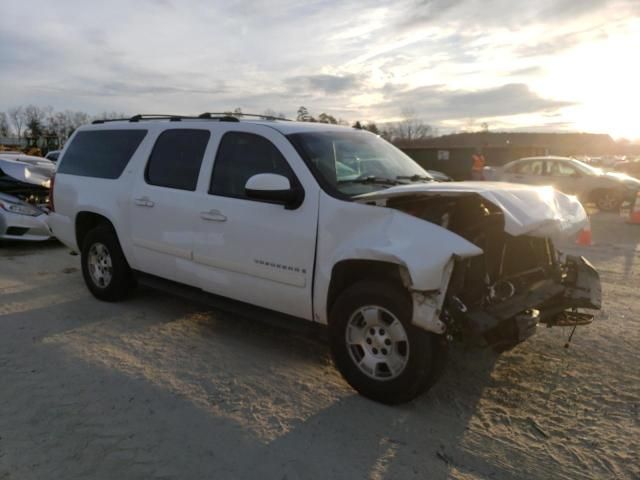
x=426 y=352
x=608 y=201
x=121 y=281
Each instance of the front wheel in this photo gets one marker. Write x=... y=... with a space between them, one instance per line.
x=375 y=346
x=608 y=201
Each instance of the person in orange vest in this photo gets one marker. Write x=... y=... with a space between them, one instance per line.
x=477 y=168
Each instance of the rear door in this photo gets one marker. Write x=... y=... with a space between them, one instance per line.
x=250 y=250
x=163 y=204
x=530 y=172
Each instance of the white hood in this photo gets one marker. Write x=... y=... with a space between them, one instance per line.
x=528 y=210
x=33 y=170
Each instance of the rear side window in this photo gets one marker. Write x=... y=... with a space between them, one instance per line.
x=241 y=156
x=176 y=158
x=101 y=153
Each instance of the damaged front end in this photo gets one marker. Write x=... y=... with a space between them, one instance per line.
x=24 y=196
x=519 y=282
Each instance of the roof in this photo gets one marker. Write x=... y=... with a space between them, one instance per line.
x=284 y=126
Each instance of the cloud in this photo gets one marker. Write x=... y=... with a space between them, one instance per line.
x=448 y=59
x=556 y=43
x=424 y=12
x=440 y=104
x=527 y=71
x=325 y=83
x=503 y=13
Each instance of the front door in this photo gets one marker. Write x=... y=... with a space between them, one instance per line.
x=250 y=250
x=529 y=172
x=565 y=177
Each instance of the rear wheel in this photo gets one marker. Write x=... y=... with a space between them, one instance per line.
x=376 y=347
x=104 y=267
x=608 y=201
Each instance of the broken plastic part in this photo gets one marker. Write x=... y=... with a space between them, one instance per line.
x=427 y=306
x=426 y=312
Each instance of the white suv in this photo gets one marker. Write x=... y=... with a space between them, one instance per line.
x=322 y=223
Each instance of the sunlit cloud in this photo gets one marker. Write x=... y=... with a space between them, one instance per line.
x=551 y=64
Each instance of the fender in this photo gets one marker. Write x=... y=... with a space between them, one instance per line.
x=425 y=251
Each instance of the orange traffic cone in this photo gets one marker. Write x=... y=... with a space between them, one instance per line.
x=634 y=213
x=584 y=237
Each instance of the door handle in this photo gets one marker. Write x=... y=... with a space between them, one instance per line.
x=213 y=216
x=143 y=202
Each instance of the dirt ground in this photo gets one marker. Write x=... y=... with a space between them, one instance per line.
x=157 y=388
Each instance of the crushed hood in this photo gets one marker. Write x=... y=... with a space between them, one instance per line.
x=528 y=210
x=30 y=170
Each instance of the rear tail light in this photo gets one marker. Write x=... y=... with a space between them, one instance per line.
x=53 y=181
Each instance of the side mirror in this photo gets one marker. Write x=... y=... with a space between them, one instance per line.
x=274 y=188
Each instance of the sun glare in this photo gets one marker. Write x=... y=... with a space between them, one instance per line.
x=602 y=78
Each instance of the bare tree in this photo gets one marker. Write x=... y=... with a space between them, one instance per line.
x=410 y=129
x=59 y=125
x=16 y=114
x=63 y=124
x=110 y=116
x=5 y=129
x=35 y=120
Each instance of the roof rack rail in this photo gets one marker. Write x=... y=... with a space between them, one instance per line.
x=106 y=120
x=223 y=117
x=137 y=118
x=242 y=114
x=154 y=116
x=219 y=116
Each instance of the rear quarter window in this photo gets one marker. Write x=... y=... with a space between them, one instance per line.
x=100 y=153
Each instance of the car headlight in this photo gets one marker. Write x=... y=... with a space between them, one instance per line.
x=19 y=208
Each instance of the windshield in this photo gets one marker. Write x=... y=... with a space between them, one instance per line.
x=356 y=162
x=587 y=169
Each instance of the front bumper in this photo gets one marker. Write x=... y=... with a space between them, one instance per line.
x=550 y=301
x=23 y=227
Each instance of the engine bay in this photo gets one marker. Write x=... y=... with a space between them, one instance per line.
x=518 y=282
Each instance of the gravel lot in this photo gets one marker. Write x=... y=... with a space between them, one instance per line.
x=157 y=388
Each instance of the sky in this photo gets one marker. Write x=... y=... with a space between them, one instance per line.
x=544 y=65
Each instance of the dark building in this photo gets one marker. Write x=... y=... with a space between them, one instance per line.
x=451 y=154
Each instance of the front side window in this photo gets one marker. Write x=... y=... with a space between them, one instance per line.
x=352 y=162
x=100 y=153
x=241 y=156
x=176 y=158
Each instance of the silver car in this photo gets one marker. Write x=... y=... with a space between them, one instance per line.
x=24 y=192
x=608 y=190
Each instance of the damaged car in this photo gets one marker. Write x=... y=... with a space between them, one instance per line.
x=24 y=195
x=325 y=224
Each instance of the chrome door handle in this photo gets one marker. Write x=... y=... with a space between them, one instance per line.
x=143 y=202
x=213 y=216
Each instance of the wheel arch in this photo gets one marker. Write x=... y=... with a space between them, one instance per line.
x=348 y=272
x=86 y=221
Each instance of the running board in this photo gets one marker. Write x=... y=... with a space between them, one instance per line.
x=228 y=305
